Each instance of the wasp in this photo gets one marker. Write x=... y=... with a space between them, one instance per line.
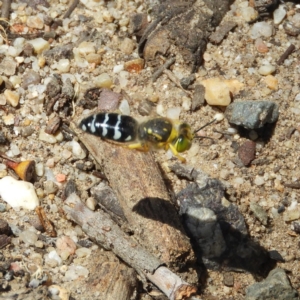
x=155 y=133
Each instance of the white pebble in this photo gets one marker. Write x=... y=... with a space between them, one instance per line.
x=14 y=149
x=77 y=151
x=232 y=130
x=63 y=65
x=259 y=180
x=238 y=180
x=83 y=252
x=261 y=29
x=45 y=137
x=279 y=14
x=124 y=107
x=160 y=109
x=53 y=255
x=118 y=68
x=173 y=113
x=91 y=203
x=248 y=13
x=39 y=45
x=9 y=119
x=28 y=237
x=219 y=117
x=18 y=193
x=186 y=103
x=266 y=70
x=75 y=271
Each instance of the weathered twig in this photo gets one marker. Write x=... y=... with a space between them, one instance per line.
x=5 y=9
x=99 y=227
x=286 y=54
x=161 y=69
x=70 y=9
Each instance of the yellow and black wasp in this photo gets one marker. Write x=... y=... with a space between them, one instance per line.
x=155 y=133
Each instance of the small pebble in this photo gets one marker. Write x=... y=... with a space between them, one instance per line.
x=127 y=46
x=50 y=187
x=18 y=193
x=28 y=237
x=248 y=13
x=291 y=215
x=94 y=58
x=30 y=77
x=39 y=169
x=271 y=82
x=173 y=113
x=124 y=107
x=75 y=271
x=218 y=91
x=259 y=180
x=58 y=293
x=35 y=22
x=2 y=207
x=103 y=81
x=12 y=97
x=8 y=66
x=279 y=14
x=39 y=45
x=63 y=65
x=260 y=46
x=135 y=65
x=86 y=48
x=266 y=70
x=9 y=119
x=77 y=151
x=66 y=244
x=246 y=152
x=259 y=213
x=53 y=257
x=91 y=203
x=83 y=252
x=60 y=178
x=261 y=29
x=118 y=68
x=45 y=137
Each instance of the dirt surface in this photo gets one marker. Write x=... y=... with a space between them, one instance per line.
x=271 y=180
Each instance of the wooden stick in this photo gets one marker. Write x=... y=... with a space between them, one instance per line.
x=140 y=189
x=100 y=228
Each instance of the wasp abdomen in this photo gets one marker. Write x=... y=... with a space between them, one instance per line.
x=112 y=126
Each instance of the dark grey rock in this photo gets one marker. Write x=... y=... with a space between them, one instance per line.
x=252 y=114
x=202 y=224
x=259 y=213
x=217 y=229
x=275 y=286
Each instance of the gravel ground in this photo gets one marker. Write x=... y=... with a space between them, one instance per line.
x=247 y=54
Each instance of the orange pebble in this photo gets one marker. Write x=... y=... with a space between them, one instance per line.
x=260 y=46
x=61 y=177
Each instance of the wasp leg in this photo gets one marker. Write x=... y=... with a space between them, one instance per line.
x=175 y=153
x=139 y=146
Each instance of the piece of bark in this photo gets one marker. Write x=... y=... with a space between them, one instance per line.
x=136 y=179
x=180 y=28
x=4 y=227
x=218 y=36
x=110 y=278
x=100 y=228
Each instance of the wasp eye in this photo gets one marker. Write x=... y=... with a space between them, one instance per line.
x=183 y=143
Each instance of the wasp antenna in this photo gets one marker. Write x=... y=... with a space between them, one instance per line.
x=207 y=124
